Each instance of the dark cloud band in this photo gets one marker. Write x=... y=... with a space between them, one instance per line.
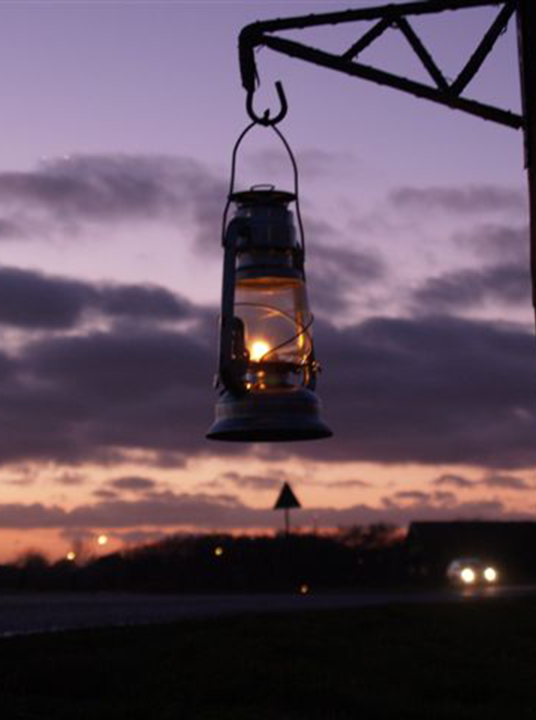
x=425 y=390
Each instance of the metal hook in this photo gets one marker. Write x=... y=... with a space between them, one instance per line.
x=266 y=120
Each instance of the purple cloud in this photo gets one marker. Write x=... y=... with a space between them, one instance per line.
x=414 y=495
x=457 y=481
x=67 y=195
x=207 y=512
x=343 y=484
x=506 y=482
x=460 y=290
x=32 y=300
x=428 y=390
x=337 y=273
x=133 y=484
x=269 y=481
x=469 y=200
x=501 y=244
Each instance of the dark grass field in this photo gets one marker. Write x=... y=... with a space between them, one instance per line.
x=474 y=660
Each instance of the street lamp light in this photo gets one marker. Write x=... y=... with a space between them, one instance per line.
x=267 y=364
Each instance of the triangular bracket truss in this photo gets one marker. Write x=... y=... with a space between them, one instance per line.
x=441 y=90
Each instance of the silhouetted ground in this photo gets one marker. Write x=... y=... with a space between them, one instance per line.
x=432 y=662
x=349 y=559
x=221 y=563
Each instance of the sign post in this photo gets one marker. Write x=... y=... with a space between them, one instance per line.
x=286 y=501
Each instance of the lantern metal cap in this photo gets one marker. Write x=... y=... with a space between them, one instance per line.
x=269 y=416
x=262 y=195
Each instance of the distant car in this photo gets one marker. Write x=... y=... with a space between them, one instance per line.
x=472 y=571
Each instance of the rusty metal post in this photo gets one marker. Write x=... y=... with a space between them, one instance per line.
x=526 y=25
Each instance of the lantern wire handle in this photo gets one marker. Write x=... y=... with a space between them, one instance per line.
x=272 y=126
x=232 y=180
x=296 y=183
x=303 y=328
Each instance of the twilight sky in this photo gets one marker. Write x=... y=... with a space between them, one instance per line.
x=117 y=127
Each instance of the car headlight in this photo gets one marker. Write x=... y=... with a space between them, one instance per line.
x=490 y=574
x=468 y=575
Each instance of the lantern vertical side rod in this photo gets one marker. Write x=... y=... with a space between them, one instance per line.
x=226 y=374
x=227 y=305
x=526 y=19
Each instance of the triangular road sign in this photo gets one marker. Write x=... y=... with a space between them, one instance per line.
x=286 y=499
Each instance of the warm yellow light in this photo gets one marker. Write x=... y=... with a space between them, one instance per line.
x=258 y=349
x=218 y=551
x=71 y=556
x=304 y=589
x=490 y=574
x=468 y=575
x=102 y=540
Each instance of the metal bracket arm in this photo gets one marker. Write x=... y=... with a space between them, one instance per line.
x=442 y=90
x=395 y=16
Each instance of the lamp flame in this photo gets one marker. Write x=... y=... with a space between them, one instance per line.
x=258 y=350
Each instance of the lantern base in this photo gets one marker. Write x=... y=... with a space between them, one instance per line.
x=278 y=415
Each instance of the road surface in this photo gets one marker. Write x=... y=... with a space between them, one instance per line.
x=36 y=613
